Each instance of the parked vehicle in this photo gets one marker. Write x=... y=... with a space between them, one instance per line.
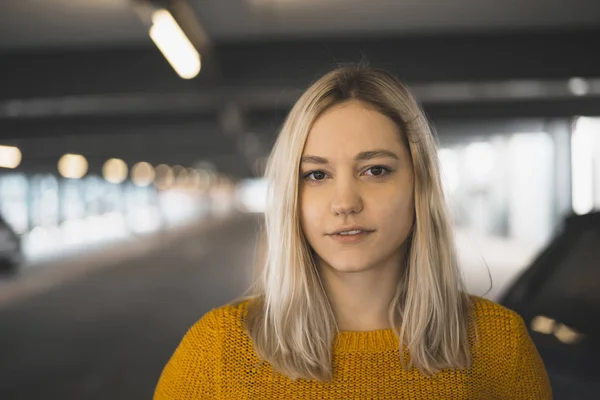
x=558 y=296
x=10 y=248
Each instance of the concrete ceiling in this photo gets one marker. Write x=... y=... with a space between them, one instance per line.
x=107 y=23
x=251 y=19
x=69 y=23
x=98 y=52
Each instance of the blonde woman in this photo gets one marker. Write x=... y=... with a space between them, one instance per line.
x=359 y=295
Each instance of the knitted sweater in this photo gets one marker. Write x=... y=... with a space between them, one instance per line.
x=216 y=360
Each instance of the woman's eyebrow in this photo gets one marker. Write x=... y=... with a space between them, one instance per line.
x=362 y=156
x=377 y=153
x=313 y=160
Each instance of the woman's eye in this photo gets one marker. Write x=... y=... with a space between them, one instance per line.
x=378 y=170
x=315 y=176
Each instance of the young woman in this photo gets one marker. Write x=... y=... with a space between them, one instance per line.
x=360 y=295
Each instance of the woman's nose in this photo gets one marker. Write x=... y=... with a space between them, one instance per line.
x=346 y=198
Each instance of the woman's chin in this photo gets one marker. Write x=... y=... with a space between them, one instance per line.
x=350 y=265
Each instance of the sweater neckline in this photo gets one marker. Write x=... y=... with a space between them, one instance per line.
x=368 y=341
x=361 y=341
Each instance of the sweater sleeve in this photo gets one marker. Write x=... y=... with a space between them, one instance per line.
x=193 y=370
x=531 y=378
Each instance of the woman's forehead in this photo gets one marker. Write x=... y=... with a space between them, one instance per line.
x=350 y=128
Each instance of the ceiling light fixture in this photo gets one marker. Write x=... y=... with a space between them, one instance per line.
x=115 y=170
x=72 y=166
x=10 y=157
x=175 y=46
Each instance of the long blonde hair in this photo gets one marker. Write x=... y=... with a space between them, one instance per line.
x=289 y=318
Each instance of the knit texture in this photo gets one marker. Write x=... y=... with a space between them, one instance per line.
x=216 y=360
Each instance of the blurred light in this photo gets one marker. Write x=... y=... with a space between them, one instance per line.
x=567 y=335
x=199 y=179
x=142 y=220
x=194 y=179
x=94 y=225
x=73 y=166
x=579 y=86
x=449 y=164
x=543 y=325
x=225 y=182
x=582 y=167
x=10 y=157
x=208 y=174
x=73 y=231
x=180 y=175
x=48 y=208
x=206 y=166
x=480 y=160
x=142 y=174
x=174 y=45
x=205 y=179
x=164 y=177
x=115 y=170
x=39 y=234
x=251 y=195
x=549 y=326
x=116 y=224
x=177 y=206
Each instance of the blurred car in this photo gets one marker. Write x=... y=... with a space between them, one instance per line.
x=558 y=296
x=10 y=248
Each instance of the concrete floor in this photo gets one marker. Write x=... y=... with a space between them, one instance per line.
x=108 y=334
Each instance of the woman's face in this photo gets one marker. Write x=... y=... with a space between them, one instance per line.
x=356 y=176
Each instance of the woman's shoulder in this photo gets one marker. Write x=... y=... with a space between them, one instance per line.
x=496 y=324
x=486 y=311
x=221 y=320
x=504 y=348
x=201 y=352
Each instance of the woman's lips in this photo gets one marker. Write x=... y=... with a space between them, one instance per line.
x=350 y=239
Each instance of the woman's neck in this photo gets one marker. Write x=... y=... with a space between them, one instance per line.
x=361 y=300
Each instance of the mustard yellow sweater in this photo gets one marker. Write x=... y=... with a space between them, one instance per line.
x=215 y=360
